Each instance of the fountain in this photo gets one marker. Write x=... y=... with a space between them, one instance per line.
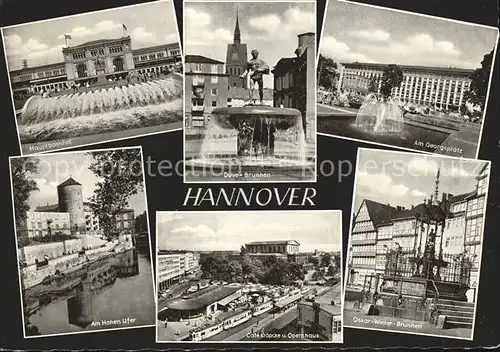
x=254 y=138
x=102 y=110
x=380 y=114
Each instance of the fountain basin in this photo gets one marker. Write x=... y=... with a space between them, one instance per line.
x=234 y=117
x=101 y=111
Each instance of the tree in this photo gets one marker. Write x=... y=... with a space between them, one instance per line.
x=373 y=85
x=327 y=72
x=313 y=260
x=141 y=223
x=336 y=260
x=391 y=78
x=326 y=259
x=22 y=170
x=476 y=94
x=121 y=177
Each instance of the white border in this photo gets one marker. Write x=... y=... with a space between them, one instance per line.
x=487 y=98
x=76 y=15
x=341 y=283
x=476 y=294
x=17 y=252
x=270 y=180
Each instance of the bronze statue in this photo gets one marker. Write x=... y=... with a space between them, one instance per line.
x=256 y=68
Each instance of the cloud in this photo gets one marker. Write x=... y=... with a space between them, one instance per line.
x=339 y=51
x=458 y=171
x=32 y=50
x=199 y=30
x=418 y=194
x=98 y=28
x=372 y=35
x=140 y=34
x=272 y=26
x=423 y=165
x=382 y=183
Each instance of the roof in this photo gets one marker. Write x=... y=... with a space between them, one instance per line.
x=97 y=42
x=273 y=242
x=289 y=300
x=198 y=59
x=283 y=64
x=48 y=208
x=242 y=93
x=225 y=301
x=201 y=298
x=155 y=48
x=38 y=68
x=70 y=182
x=451 y=70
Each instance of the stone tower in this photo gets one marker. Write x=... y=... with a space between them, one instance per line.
x=236 y=58
x=70 y=198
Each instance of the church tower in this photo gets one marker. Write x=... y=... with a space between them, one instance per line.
x=236 y=58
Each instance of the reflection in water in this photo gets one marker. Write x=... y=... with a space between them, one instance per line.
x=109 y=293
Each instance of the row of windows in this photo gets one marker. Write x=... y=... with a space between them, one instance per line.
x=363 y=236
x=97 y=52
x=116 y=49
x=482 y=186
x=406 y=77
x=58 y=72
x=454 y=242
x=361 y=226
x=363 y=249
x=363 y=261
x=475 y=206
x=473 y=230
x=454 y=223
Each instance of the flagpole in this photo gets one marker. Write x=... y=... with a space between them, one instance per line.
x=66 y=40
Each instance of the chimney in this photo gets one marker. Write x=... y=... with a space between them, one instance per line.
x=444 y=197
x=306 y=39
x=412 y=206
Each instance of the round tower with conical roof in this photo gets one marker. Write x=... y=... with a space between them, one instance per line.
x=71 y=201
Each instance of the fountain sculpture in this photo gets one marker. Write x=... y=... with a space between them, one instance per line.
x=380 y=114
x=254 y=137
x=102 y=110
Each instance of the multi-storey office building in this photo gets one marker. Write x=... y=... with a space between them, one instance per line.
x=440 y=87
x=173 y=266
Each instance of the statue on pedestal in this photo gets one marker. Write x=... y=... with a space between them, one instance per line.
x=256 y=68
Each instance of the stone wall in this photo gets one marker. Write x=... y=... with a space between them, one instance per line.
x=53 y=250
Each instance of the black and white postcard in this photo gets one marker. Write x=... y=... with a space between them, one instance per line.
x=95 y=77
x=414 y=254
x=403 y=79
x=250 y=83
x=252 y=276
x=84 y=255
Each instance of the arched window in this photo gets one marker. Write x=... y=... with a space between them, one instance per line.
x=118 y=64
x=81 y=70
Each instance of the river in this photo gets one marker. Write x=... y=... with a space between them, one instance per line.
x=118 y=294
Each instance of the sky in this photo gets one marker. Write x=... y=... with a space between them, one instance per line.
x=361 y=33
x=270 y=27
x=41 y=42
x=57 y=168
x=205 y=231
x=404 y=179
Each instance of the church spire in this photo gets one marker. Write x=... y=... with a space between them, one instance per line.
x=237 y=34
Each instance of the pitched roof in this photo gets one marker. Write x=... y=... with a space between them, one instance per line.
x=198 y=59
x=242 y=93
x=380 y=213
x=69 y=182
x=155 y=48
